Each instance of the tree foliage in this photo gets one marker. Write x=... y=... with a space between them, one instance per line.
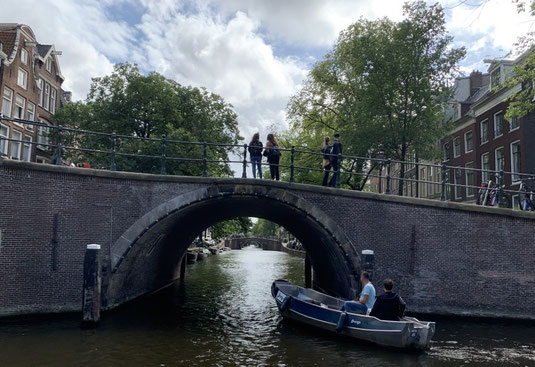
x=383 y=87
x=151 y=106
x=265 y=228
x=241 y=225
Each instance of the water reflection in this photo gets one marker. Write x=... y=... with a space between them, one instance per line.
x=223 y=315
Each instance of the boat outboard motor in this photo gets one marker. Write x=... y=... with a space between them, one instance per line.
x=367 y=262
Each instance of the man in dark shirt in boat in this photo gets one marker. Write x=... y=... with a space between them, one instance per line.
x=388 y=306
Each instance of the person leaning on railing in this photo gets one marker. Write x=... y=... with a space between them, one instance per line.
x=255 y=152
x=273 y=154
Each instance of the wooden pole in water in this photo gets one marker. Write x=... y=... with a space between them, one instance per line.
x=91 y=286
x=308 y=272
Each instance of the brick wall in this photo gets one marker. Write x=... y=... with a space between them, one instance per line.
x=444 y=257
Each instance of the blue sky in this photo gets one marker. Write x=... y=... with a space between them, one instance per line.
x=254 y=53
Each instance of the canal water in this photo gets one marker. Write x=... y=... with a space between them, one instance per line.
x=224 y=315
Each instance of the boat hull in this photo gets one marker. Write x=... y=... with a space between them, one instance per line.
x=319 y=310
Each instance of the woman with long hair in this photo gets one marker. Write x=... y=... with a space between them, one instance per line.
x=255 y=152
x=273 y=154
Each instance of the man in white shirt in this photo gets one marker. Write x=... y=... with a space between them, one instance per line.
x=366 y=299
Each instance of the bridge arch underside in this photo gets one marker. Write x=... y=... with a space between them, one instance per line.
x=147 y=256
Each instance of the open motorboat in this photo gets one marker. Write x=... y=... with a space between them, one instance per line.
x=320 y=310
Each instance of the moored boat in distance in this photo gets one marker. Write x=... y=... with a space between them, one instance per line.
x=320 y=310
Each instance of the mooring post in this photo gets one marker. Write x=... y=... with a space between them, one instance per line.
x=92 y=286
x=308 y=272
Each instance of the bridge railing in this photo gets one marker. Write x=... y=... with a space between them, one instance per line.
x=155 y=155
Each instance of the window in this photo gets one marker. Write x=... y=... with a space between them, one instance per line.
x=469 y=173
x=27 y=148
x=15 y=144
x=485 y=175
x=499 y=159
x=423 y=186
x=20 y=107
x=4 y=133
x=448 y=187
x=46 y=97
x=468 y=142
x=7 y=102
x=495 y=77
x=514 y=124
x=42 y=135
x=484 y=129
x=40 y=86
x=31 y=115
x=498 y=124
x=515 y=161
x=446 y=147
x=456 y=147
x=22 y=79
x=457 y=180
x=49 y=65
x=516 y=202
x=24 y=56
x=53 y=100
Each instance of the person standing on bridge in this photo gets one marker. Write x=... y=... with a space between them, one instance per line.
x=255 y=152
x=326 y=164
x=336 y=151
x=273 y=154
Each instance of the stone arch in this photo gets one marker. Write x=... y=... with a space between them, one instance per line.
x=147 y=255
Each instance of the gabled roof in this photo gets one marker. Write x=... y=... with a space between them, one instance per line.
x=480 y=93
x=43 y=50
x=8 y=41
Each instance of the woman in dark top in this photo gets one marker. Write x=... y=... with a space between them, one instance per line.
x=273 y=154
x=255 y=152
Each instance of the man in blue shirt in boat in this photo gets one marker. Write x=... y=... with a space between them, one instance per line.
x=366 y=299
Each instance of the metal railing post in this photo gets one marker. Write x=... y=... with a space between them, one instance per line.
x=337 y=173
x=57 y=158
x=244 y=173
x=292 y=160
x=113 y=147
x=388 y=163
x=163 y=163
x=204 y=160
x=443 y=190
x=500 y=187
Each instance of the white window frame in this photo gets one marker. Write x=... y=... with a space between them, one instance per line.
x=458 y=138
x=19 y=145
x=496 y=168
x=498 y=114
x=46 y=97
x=457 y=189
x=23 y=109
x=24 y=82
x=24 y=56
x=5 y=142
x=515 y=199
x=466 y=172
x=446 y=152
x=53 y=98
x=481 y=131
x=10 y=100
x=40 y=86
x=466 y=142
x=30 y=113
x=492 y=80
x=27 y=144
x=515 y=176
x=511 y=124
x=485 y=176
x=42 y=135
x=48 y=65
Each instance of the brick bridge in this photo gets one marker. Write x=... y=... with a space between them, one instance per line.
x=265 y=243
x=444 y=257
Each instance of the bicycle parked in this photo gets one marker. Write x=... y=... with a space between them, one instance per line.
x=487 y=194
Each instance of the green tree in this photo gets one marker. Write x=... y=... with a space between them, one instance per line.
x=151 y=106
x=523 y=102
x=241 y=225
x=264 y=228
x=383 y=87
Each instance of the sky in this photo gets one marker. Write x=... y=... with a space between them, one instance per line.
x=256 y=54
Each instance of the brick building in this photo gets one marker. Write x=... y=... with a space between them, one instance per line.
x=479 y=138
x=30 y=83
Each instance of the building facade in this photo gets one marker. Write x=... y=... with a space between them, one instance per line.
x=30 y=83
